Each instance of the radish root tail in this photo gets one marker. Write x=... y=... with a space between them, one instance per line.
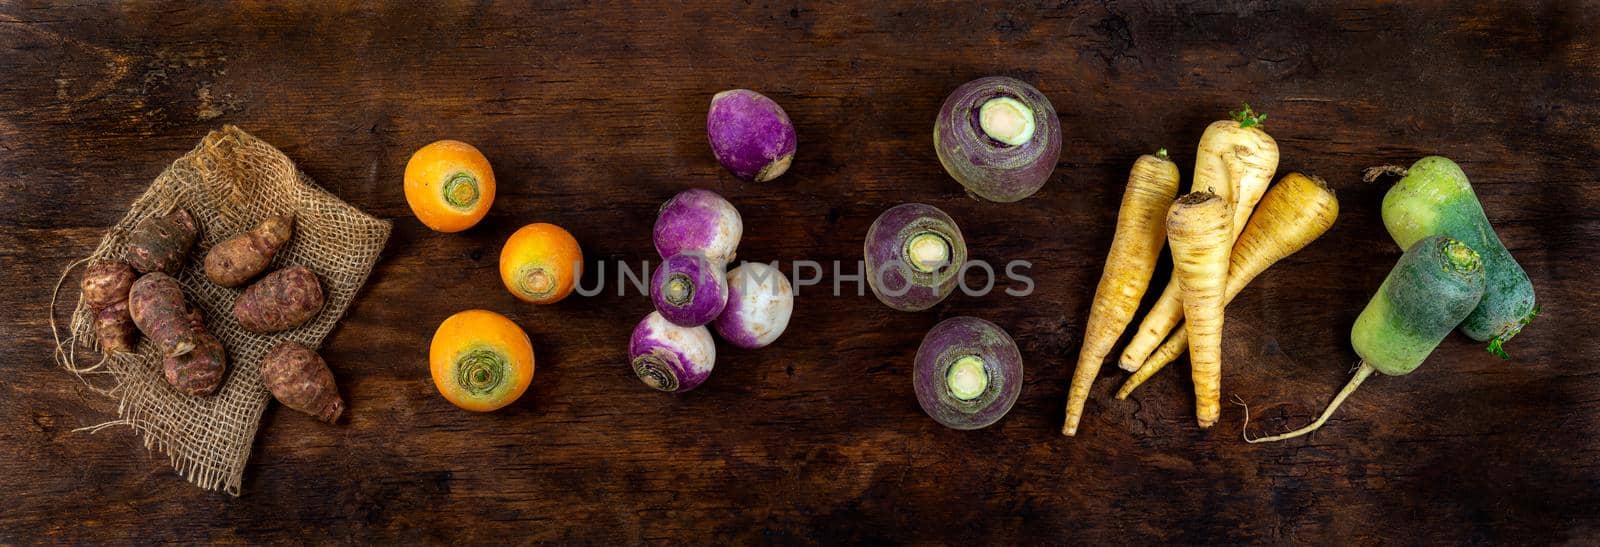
x=1362 y=372
x=1372 y=174
x=1244 y=430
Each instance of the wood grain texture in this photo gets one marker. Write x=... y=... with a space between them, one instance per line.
x=592 y=116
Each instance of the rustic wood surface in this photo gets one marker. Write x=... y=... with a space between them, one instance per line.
x=592 y=116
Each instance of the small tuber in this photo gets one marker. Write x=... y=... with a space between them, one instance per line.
x=241 y=258
x=114 y=328
x=106 y=283
x=161 y=244
x=198 y=372
x=300 y=379
x=750 y=135
x=158 y=308
x=282 y=300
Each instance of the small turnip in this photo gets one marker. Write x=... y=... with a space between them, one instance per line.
x=968 y=373
x=698 y=220
x=760 y=301
x=689 y=290
x=999 y=137
x=913 y=254
x=669 y=357
x=750 y=134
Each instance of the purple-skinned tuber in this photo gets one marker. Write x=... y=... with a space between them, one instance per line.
x=999 y=137
x=300 y=379
x=913 y=254
x=760 y=301
x=698 y=221
x=750 y=134
x=968 y=373
x=689 y=290
x=671 y=358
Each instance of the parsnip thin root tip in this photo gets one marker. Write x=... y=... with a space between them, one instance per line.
x=1069 y=427
x=1126 y=390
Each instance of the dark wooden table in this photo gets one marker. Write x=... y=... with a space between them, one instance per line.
x=593 y=116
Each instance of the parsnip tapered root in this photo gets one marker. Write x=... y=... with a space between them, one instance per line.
x=1236 y=161
x=1361 y=375
x=1200 y=229
x=1141 y=232
x=1295 y=212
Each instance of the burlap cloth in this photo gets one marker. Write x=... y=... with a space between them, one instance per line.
x=229 y=182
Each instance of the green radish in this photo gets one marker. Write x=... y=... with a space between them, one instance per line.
x=1435 y=285
x=1434 y=198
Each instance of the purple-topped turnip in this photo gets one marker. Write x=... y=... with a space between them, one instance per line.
x=968 y=373
x=913 y=255
x=698 y=220
x=760 y=301
x=750 y=134
x=999 y=137
x=669 y=357
x=689 y=290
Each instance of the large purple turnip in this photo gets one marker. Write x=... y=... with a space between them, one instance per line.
x=968 y=373
x=913 y=254
x=999 y=137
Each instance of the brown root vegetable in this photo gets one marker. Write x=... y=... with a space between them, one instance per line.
x=282 y=300
x=114 y=328
x=241 y=258
x=198 y=372
x=158 y=308
x=161 y=244
x=106 y=283
x=300 y=379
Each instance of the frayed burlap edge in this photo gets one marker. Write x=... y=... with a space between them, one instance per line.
x=229 y=182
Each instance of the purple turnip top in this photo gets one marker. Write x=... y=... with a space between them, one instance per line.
x=698 y=220
x=760 y=301
x=750 y=135
x=999 y=137
x=671 y=358
x=968 y=373
x=913 y=254
x=689 y=290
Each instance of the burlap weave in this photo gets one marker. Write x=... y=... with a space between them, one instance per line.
x=229 y=182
